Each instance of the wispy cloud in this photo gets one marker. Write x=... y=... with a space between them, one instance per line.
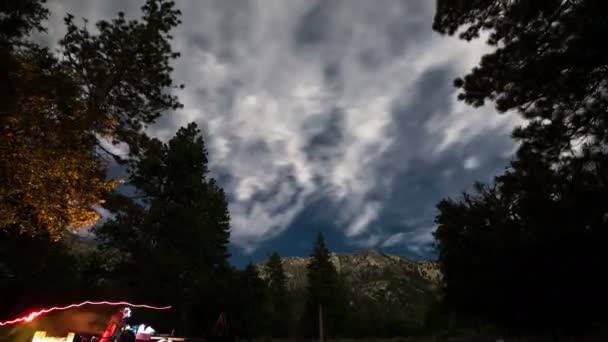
x=419 y=241
x=393 y=240
x=362 y=221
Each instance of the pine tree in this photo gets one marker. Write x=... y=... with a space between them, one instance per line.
x=281 y=316
x=325 y=293
x=249 y=310
x=277 y=280
x=177 y=232
x=502 y=246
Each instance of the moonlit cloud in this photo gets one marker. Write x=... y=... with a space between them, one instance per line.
x=347 y=101
x=361 y=222
x=471 y=163
x=393 y=240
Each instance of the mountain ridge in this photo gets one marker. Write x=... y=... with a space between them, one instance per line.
x=392 y=287
x=347 y=263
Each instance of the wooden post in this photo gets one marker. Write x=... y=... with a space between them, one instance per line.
x=320 y=323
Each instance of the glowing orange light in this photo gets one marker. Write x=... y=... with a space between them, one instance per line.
x=40 y=336
x=33 y=315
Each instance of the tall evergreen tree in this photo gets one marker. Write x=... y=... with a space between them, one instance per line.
x=325 y=293
x=176 y=234
x=249 y=309
x=281 y=315
x=521 y=252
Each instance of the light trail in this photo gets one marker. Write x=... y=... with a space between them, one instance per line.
x=35 y=314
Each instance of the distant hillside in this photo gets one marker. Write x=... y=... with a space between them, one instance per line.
x=399 y=287
x=358 y=266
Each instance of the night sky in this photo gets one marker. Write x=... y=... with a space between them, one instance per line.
x=332 y=116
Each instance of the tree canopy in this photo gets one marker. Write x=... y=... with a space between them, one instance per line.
x=548 y=64
x=176 y=232
x=56 y=109
x=523 y=252
x=534 y=240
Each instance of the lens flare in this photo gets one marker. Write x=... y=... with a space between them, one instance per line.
x=35 y=314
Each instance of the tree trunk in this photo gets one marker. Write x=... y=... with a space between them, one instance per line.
x=320 y=323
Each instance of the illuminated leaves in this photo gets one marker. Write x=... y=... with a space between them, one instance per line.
x=51 y=176
x=111 y=83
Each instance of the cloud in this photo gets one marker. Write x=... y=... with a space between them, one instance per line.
x=346 y=101
x=393 y=240
x=370 y=241
x=418 y=241
x=361 y=222
x=471 y=163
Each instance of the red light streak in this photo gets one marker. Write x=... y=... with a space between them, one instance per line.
x=33 y=315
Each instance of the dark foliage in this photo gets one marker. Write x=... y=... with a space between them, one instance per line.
x=281 y=311
x=550 y=65
x=37 y=271
x=176 y=234
x=525 y=253
x=250 y=310
x=325 y=292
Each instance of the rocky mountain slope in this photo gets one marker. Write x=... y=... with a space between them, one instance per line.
x=395 y=285
x=359 y=266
